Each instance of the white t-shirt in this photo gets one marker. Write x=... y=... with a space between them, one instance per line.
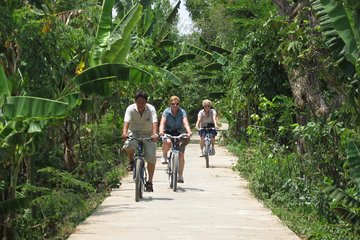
x=204 y=120
x=140 y=123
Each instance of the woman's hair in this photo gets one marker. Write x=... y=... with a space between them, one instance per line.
x=172 y=98
x=206 y=102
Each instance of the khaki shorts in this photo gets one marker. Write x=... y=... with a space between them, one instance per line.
x=149 y=148
x=183 y=143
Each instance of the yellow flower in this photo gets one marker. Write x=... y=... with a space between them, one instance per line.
x=46 y=27
x=80 y=67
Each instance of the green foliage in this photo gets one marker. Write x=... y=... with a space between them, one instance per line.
x=112 y=178
x=278 y=178
x=347 y=204
x=51 y=212
x=64 y=180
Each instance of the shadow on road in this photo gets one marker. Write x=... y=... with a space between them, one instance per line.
x=148 y=199
x=180 y=189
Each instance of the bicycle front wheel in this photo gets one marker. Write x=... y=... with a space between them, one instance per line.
x=139 y=188
x=175 y=170
x=207 y=152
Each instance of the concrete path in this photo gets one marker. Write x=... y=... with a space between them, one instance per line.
x=213 y=203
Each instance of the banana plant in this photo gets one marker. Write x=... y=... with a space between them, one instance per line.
x=22 y=117
x=348 y=205
x=340 y=27
x=341 y=30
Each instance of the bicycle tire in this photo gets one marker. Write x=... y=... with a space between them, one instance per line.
x=175 y=171
x=138 y=180
x=170 y=173
x=207 y=152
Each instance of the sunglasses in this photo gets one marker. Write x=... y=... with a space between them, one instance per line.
x=175 y=104
x=207 y=106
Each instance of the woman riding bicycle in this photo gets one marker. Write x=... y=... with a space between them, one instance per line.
x=175 y=122
x=207 y=118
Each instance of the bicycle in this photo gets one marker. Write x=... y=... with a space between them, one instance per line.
x=139 y=171
x=207 y=145
x=173 y=163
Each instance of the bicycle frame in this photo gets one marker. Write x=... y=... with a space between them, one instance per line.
x=139 y=170
x=207 y=145
x=173 y=165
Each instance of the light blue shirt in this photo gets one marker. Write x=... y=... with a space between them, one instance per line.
x=174 y=123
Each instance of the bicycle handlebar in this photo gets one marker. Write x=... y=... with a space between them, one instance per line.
x=210 y=128
x=140 y=139
x=183 y=135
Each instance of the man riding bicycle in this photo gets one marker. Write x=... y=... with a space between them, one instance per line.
x=141 y=121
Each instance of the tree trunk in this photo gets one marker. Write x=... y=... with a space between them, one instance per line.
x=306 y=91
x=67 y=135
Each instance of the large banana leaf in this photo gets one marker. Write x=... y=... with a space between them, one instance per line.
x=119 y=40
x=5 y=85
x=103 y=32
x=340 y=196
x=348 y=216
x=169 y=21
x=213 y=66
x=147 y=22
x=12 y=205
x=166 y=43
x=340 y=36
x=353 y=157
x=96 y=80
x=73 y=99
x=342 y=23
x=220 y=58
x=26 y=107
x=200 y=52
x=180 y=59
x=218 y=49
x=167 y=75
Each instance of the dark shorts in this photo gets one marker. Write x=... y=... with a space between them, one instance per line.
x=212 y=132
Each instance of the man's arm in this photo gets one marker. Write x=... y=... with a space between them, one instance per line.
x=154 y=135
x=125 y=134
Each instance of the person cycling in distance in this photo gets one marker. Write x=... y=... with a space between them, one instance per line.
x=141 y=121
x=207 y=118
x=175 y=122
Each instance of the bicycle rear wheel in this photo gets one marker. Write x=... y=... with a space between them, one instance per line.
x=207 y=152
x=175 y=170
x=139 y=188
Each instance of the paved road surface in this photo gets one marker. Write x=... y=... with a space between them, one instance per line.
x=212 y=204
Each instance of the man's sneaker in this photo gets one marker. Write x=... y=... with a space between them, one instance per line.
x=202 y=153
x=149 y=187
x=163 y=160
x=180 y=179
x=130 y=166
x=212 y=151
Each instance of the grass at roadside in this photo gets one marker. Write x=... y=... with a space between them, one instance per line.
x=300 y=205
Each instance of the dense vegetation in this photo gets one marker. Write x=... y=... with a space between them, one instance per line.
x=283 y=73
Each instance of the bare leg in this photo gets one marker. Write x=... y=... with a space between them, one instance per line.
x=151 y=170
x=181 y=163
x=166 y=147
x=130 y=154
x=202 y=143
x=213 y=141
